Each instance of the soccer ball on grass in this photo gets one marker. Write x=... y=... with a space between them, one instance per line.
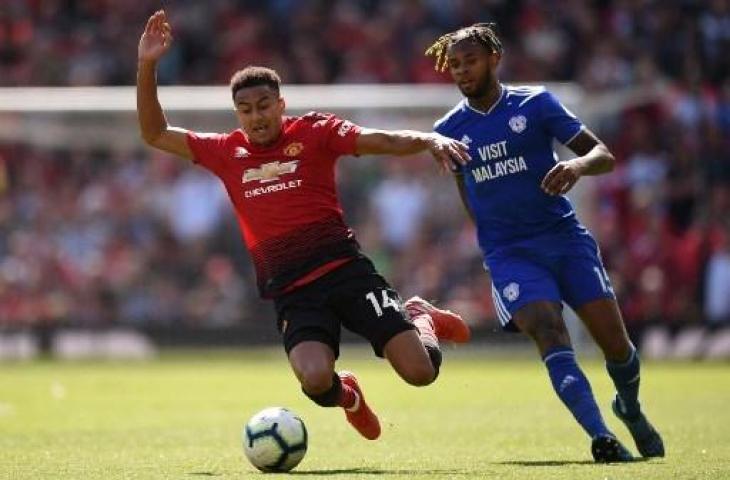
x=275 y=440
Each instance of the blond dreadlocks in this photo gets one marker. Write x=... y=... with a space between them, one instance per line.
x=484 y=33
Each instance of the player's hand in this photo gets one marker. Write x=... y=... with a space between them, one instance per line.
x=561 y=178
x=156 y=38
x=446 y=151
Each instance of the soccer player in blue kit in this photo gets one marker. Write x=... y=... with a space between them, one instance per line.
x=537 y=251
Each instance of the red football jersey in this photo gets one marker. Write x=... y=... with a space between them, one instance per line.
x=284 y=195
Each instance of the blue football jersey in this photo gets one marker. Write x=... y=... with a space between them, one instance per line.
x=511 y=146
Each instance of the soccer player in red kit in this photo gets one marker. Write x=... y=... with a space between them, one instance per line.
x=279 y=174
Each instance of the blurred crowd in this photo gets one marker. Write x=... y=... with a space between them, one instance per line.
x=601 y=43
x=98 y=237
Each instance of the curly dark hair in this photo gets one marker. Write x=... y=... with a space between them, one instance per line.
x=483 y=33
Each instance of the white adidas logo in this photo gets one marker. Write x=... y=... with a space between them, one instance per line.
x=241 y=153
x=567 y=381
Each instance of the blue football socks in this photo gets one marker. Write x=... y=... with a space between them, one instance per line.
x=574 y=390
x=625 y=377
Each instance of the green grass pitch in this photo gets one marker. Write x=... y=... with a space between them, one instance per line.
x=180 y=417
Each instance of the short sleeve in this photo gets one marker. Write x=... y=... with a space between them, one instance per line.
x=208 y=149
x=340 y=136
x=559 y=122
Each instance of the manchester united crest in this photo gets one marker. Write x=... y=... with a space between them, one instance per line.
x=293 y=149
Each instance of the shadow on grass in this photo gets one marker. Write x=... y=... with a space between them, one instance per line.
x=560 y=463
x=546 y=463
x=358 y=471
x=378 y=471
x=435 y=472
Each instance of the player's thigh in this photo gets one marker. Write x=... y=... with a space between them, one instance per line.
x=368 y=306
x=311 y=336
x=303 y=316
x=602 y=318
x=518 y=282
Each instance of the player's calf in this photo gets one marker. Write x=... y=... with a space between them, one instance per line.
x=420 y=374
x=414 y=357
x=573 y=388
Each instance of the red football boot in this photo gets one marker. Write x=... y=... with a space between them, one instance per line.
x=448 y=325
x=359 y=415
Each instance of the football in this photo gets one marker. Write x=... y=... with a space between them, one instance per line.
x=275 y=440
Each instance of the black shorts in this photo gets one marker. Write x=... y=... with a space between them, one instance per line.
x=353 y=295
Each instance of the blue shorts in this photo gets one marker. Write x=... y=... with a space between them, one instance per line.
x=556 y=269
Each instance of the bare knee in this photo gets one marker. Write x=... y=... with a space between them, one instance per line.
x=543 y=322
x=418 y=375
x=550 y=336
x=315 y=378
x=314 y=365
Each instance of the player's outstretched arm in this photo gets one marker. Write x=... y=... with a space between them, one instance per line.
x=594 y=158
x=407 y=142
x=154 y=43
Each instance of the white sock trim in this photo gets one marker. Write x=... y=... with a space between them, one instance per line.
x=569 y=353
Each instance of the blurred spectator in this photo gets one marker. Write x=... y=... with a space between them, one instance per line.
x=98 y=237
x=196 y=205
x=399 y=202
x=74 y=42
x=717 y=296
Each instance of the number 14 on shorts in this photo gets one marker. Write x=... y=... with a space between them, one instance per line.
x=384 y=302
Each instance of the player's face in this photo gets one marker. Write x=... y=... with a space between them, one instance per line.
x=259 y=110
x=473 y=68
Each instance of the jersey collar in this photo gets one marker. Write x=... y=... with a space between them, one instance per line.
x=494 y=105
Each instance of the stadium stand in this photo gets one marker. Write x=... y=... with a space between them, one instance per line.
x=94 y=237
